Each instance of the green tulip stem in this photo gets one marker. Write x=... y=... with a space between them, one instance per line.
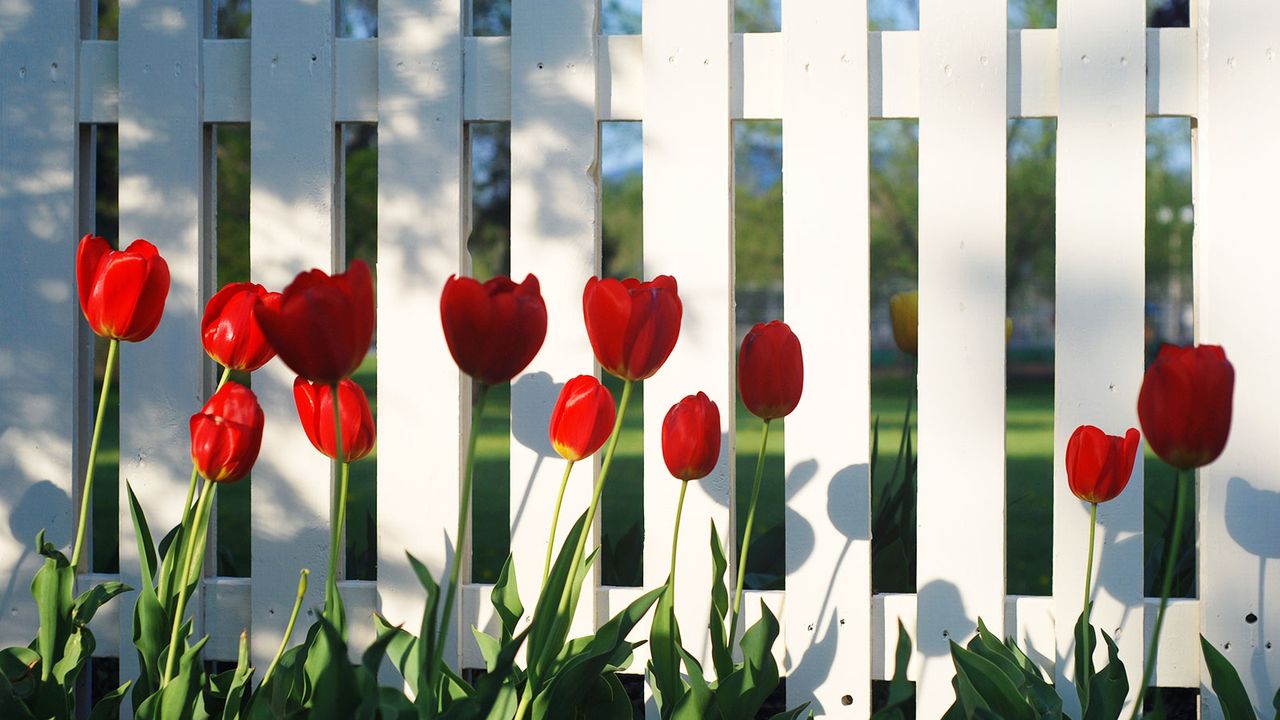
x=337 y=515
x=288 y=631
x=87 y=493
x=193 y=560
x=746 y=536
x=464 y=513
x=1083 y=682
x=675 y=542
x=1171 y=560
x=555 y=520
x=187 y=508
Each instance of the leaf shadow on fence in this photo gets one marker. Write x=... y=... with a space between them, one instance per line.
x=1244 y=502
x=537 y=393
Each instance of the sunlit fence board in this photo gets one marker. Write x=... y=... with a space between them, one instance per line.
x=422 y=206
x=1101 y=171
x=555 y=235
x=1238 y=150
x=41 y=436
x=961 y=554
x=688 y=233
x=826 y=262
x=162 y=199
x=291 y=221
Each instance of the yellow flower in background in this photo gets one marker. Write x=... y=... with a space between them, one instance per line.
x=904 y=311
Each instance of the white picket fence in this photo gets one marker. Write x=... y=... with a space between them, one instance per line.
x=1101 y=72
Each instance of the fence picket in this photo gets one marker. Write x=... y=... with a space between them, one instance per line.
x=960 y=576
x=688 y=233
x=555 y=234
x=423 y=203
x=826 y=266
x=291 y=221
x=45 y=366
x=1101 y=216
x=1237 y=150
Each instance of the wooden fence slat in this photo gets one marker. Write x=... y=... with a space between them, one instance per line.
x=960 y=575
x=1099 y=336
x=422 y=203
x=44 y=366
x=1237 y=150
x=291 y=221
x=555 y=234
x=162 y=199
x=826 y=263
x=688 y=233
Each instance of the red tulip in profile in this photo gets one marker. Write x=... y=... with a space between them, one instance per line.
x=323 y=325
x=493 y=329
x=1098 y=464
x=226 y=434
x=122 y=292
x=315 y=410
x=582 y=419
x=632 y=325
x=770 y=370
x=1185 y=404
x=230 y=332
x=691 y=437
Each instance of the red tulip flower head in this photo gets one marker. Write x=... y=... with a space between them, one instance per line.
x=229 y=330
x=493 y=329
x=582 y=419
x=1185 y=404
x=226 y=434
x=323 y=325
x=691 y=437
x=315 y=410
x=632 y=325
x=770 y=370
x=122 y=292
x=1098 y=464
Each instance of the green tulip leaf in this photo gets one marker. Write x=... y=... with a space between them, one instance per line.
x=334 y=693
x=983 y=685
x=506 y=599
x=901 y=690
x=87 y=605
x=548 y=630
x=108 y=708
x=743 y=691
x=1226 y=684
x=721 y=653
x=179 y=698
x=52 y=589
x=240 y=682
x=793 y=713
x=424 y=683
x=1108 y=687
x=11 y=706
x=401 y=649
x=664 y=659
x=700 y=700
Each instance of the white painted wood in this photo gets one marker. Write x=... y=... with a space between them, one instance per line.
x=226 y=81
x=1099 y=336
x=291 y=220
x=43 y=444
x=422 y=200
x=1237 y=146
x=688 y=233
x=555 y=235
x=161 y=199
x=960 y=575
x=826 y=264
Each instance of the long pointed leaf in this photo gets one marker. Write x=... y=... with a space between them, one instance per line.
x=1226 y=684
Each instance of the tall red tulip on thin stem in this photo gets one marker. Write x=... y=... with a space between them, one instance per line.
x=322 y=328
x=225 y=438
x=493 y=330
x=580 y=423
x=122 y=294
x=770 y=380
x=1184 y=407
x=229 y=329
x=1098 y=469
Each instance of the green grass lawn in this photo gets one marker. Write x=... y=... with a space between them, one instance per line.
x=1028 y=495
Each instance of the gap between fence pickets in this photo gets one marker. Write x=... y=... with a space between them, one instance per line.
x=1029 y=618
x=757 y=91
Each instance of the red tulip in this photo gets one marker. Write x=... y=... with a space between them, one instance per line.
x=1185 y=404
x=770 y=370
x=632 y=325
x=323 y=325
x=1098 y=464
x=230 y=332
x=315 y=410
x=582 y=419
x=122 y=292
x=493 y=329
x=226 y=434
x=691 y=437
